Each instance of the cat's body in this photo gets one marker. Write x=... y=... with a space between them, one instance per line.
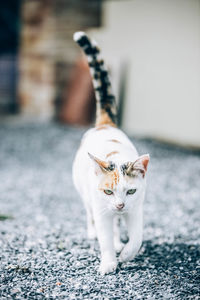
x=108 y=173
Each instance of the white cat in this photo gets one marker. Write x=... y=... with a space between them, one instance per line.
x=108 y=173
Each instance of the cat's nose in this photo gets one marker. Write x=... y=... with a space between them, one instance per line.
x=120 y=206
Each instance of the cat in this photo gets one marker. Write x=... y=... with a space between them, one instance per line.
x=108 y=173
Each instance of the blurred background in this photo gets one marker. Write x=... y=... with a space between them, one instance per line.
x=152 y=49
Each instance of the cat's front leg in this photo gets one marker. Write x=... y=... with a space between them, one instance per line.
x=104 y=228
x=118 y=245
x=135 y=231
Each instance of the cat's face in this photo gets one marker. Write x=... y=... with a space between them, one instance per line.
x=120 y=186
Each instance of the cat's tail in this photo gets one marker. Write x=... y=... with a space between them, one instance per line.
x=106 y=109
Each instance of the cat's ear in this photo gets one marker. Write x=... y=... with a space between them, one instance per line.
x=140 y=165
x=102 y=165
x=142 y=162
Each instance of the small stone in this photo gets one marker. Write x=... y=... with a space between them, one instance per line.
x=15 y=291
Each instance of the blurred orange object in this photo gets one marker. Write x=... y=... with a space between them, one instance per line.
x=78 y=99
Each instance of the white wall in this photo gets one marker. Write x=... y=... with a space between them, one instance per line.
x=160 y=39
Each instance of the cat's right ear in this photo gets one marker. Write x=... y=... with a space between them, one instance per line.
x=100 y=164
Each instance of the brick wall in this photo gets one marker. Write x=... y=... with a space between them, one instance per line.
x=47 y=51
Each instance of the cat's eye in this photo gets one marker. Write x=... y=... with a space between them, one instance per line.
x=108 y=192
x=131 y=192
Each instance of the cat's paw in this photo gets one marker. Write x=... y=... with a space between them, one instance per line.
x=107 y=267
x=118 y=246
x=127 y=254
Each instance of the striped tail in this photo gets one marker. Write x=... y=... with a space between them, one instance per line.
x=106 y=111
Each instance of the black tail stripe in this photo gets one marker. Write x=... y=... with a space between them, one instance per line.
x=100 y=77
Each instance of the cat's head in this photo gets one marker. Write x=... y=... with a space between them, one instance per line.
x=120 y=185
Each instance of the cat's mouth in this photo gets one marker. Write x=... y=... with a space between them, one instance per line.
x=119 y=211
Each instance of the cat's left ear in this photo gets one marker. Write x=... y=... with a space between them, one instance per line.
x=101 y=165
x=140 y=165
x=142 y=162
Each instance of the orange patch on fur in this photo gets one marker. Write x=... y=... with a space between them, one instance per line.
x=114 y=141
x=110 y=180
x=112 y=153
x=104 y=119
x=102 y=164
x=115 y=177
x=102 y=127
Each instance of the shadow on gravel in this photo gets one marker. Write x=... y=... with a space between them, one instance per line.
x=176 y=265
x=167 y=255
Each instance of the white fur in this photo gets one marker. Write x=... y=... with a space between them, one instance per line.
x=77 y=35
x=101 y=208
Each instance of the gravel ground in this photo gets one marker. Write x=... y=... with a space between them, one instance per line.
x=44 y=251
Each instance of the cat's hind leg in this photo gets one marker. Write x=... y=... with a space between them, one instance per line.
x=118 y=245
x=91 y=230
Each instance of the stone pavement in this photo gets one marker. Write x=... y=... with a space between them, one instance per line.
x=44 y=251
